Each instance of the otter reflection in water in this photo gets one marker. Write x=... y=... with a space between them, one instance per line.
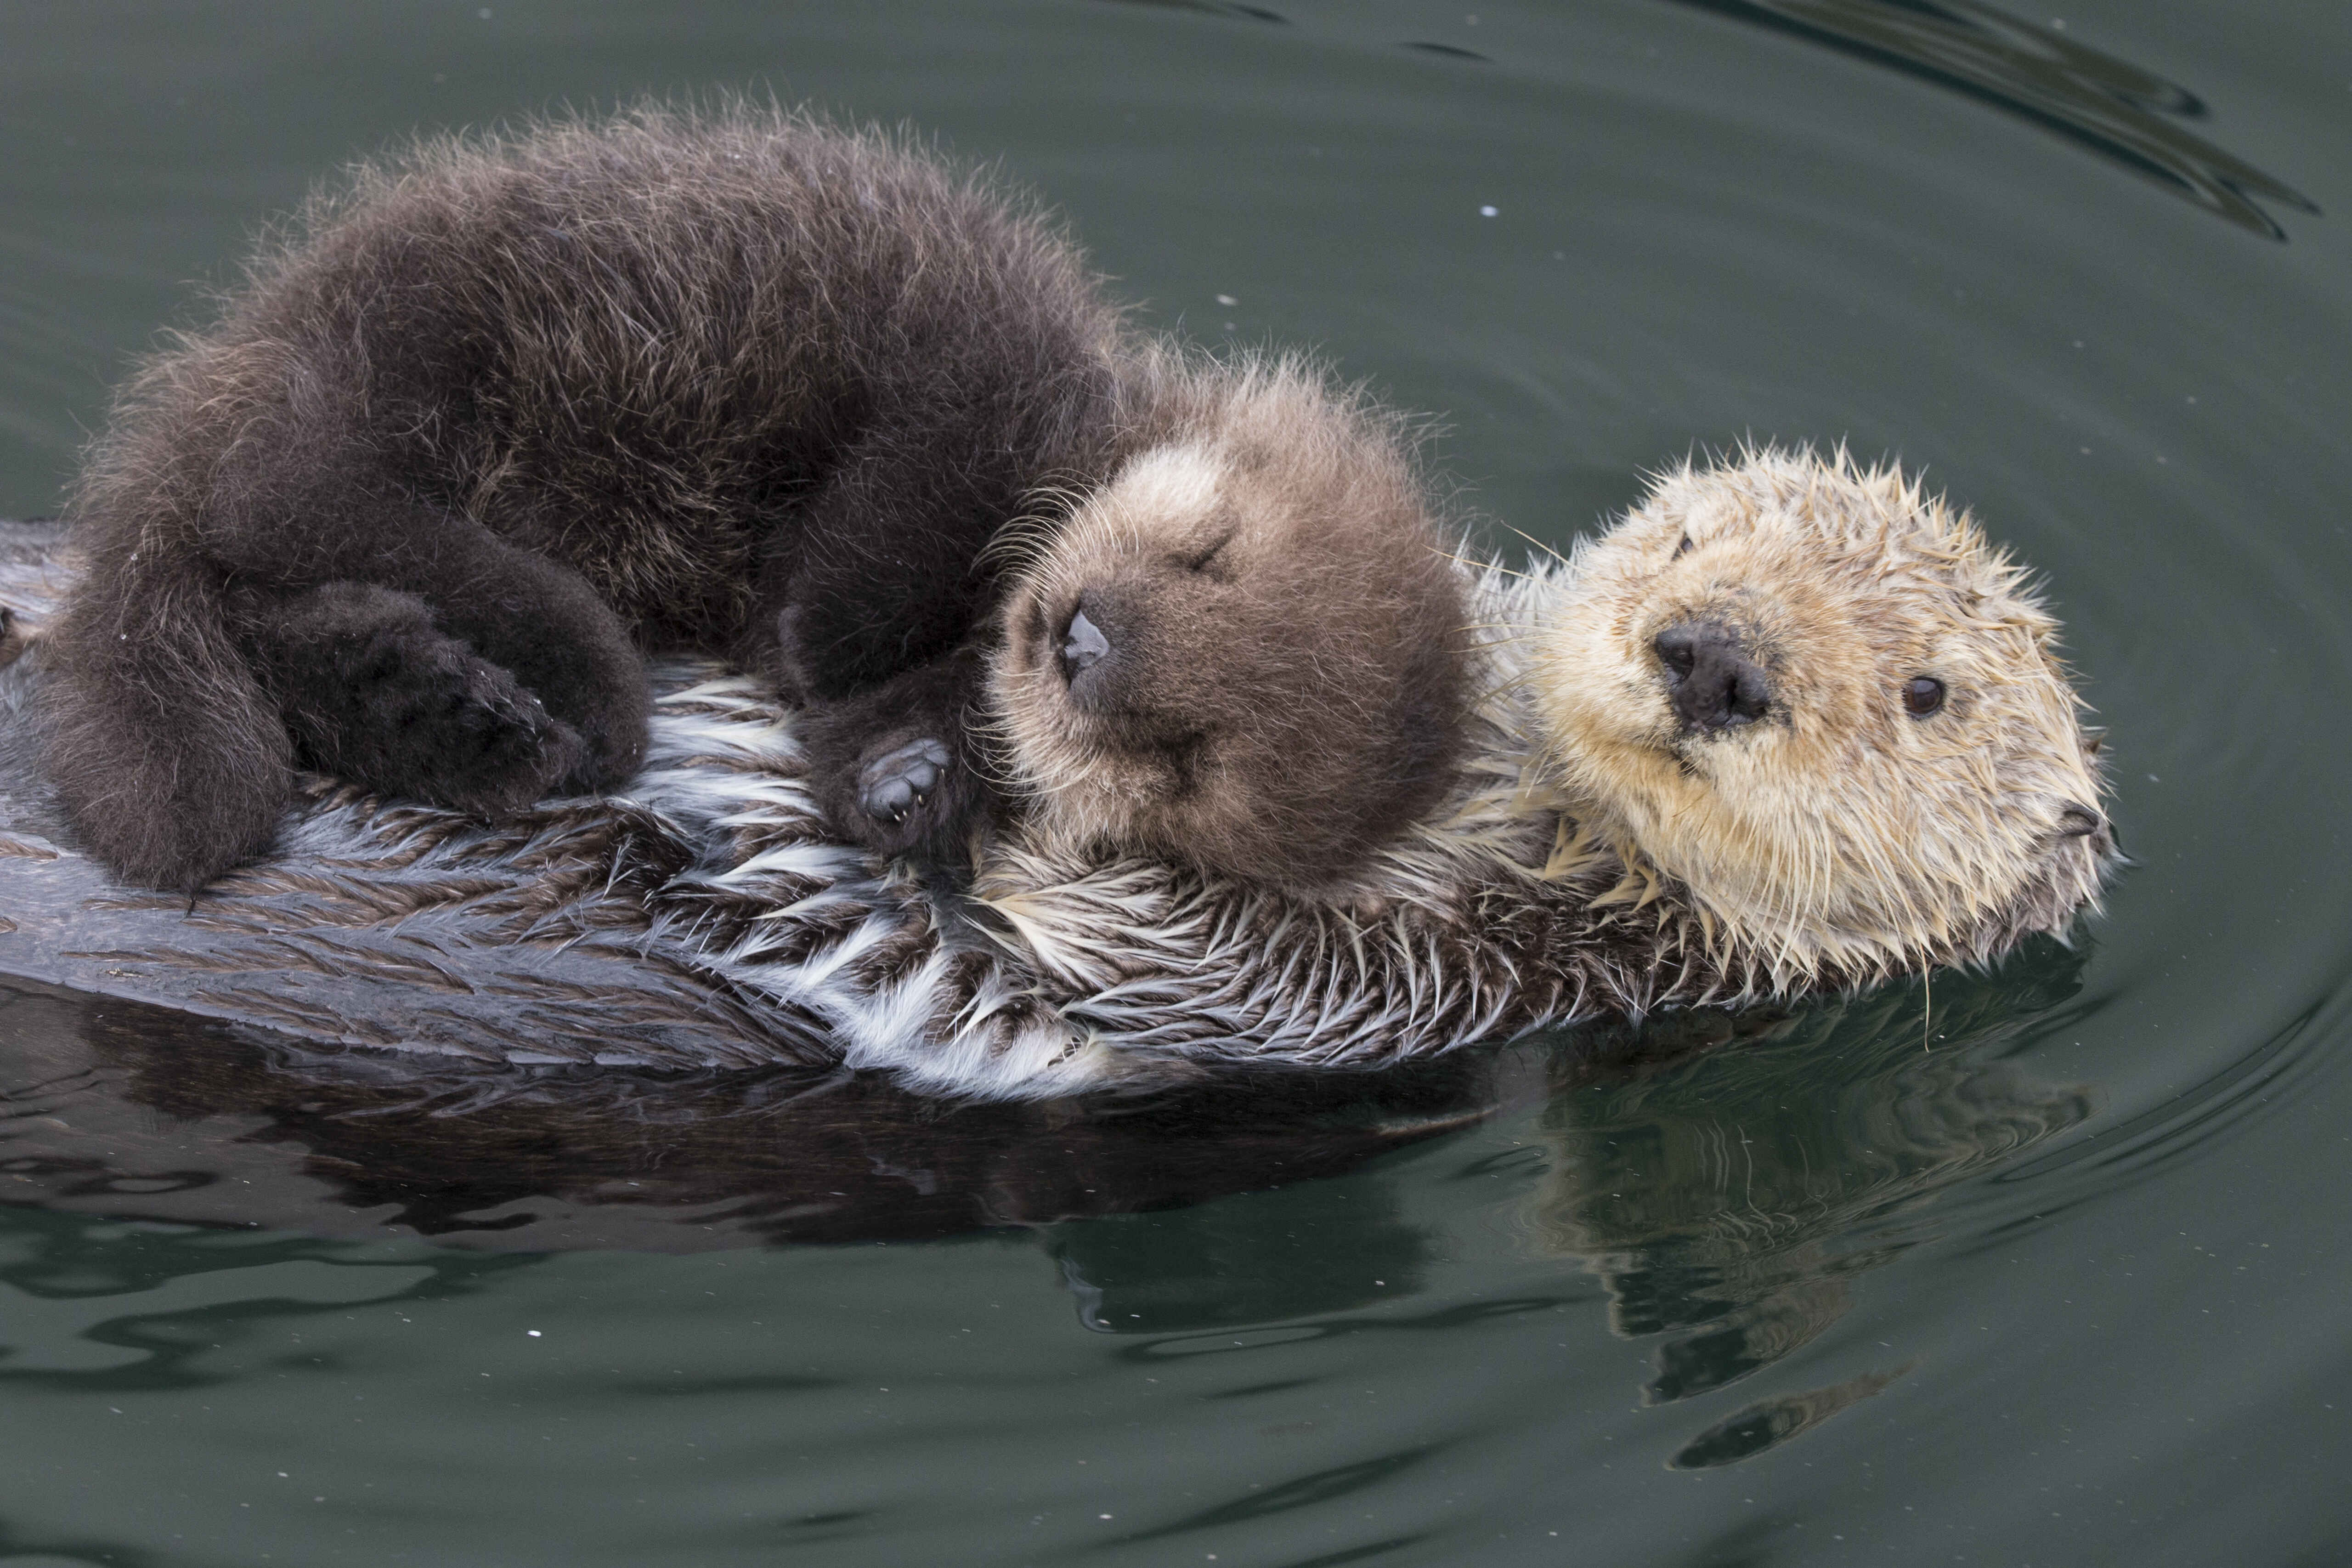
x=1729 y=1178
x=1730 y=1204
x=113 y=1107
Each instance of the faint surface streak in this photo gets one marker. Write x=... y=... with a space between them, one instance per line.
x=2115 y=109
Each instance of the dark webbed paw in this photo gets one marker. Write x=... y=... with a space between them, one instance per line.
x=899 y=781
x=569 y=653
x=474 y=737
x=373 y=691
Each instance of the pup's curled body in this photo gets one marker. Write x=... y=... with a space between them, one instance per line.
x=507 y=413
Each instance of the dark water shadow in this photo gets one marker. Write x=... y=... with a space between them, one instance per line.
x=120 y=1110
x=1449 y=51
x=40 y=1548
x=1226 y=9
x=2125 y=115
x=1770 y=1423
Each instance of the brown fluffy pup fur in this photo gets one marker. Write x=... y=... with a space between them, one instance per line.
x=1824 y=703
x=507 y=411
x=1278 y=619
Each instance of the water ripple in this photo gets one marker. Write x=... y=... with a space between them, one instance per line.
x=2110 y=107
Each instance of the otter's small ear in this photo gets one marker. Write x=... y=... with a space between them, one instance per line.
x=2095 y=740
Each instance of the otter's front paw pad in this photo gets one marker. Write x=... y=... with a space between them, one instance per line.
x=896 y=782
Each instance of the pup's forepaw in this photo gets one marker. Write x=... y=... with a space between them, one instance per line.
x=895 y=788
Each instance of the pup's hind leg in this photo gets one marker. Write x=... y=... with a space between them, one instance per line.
x=518 y=609
x=167 y=754
x=374 y=692
x=540 y=619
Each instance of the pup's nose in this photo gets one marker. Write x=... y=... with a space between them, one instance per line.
x=1713 y=685
x=1083 y=645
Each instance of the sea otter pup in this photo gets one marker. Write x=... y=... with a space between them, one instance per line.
x=508 y=412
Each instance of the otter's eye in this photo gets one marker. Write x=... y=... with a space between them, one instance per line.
x=1922 y=695
x=1681 y=549
x=1201 y=562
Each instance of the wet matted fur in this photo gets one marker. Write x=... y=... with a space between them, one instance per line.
x=500 y=412
x=1519 y=902
x=1818 y=699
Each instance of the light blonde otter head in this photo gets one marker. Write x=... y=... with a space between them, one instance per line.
x=1826 y=704
x=1247 y=650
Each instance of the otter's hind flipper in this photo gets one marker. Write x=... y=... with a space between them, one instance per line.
x=540 y=619
x=372 y=691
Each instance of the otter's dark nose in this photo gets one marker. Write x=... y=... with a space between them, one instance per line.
x=1714 y=686
x=1082 y=647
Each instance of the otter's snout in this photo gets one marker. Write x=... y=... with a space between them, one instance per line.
x=1097 y=653
x=1713 y=685
x=1083 y=645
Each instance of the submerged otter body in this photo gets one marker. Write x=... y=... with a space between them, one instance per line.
x=1529 y=897
x=509 y=413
